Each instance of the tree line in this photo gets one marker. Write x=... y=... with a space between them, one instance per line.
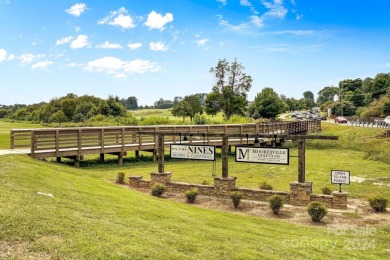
x=367 y=98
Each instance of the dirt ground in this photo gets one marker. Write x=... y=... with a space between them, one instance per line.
x=358 y=213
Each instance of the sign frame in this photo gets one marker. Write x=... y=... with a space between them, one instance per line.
x=343 y=171
x=213 y=147
x=287 y=158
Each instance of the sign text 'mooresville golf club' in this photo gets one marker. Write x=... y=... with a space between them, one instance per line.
x=262 y=155
x=193 y=152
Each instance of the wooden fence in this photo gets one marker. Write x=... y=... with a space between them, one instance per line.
x=77 y=142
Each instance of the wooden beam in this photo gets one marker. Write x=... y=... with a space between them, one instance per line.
x=161 y=153
x=224 y=156
x=301 y=161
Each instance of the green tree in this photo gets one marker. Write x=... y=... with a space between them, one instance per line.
x=230 y=90
x=188 y=107
x=326 y=94
x=267 y=104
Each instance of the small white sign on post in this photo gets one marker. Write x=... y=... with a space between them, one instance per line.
x=340 y=177
x=193 y=152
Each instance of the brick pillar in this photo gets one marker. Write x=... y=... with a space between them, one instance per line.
x=223 y=186
x=134 y=180
x=160 y=177
x=300 y=193
x=340 y=200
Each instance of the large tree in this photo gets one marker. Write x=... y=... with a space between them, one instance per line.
x=267 y=104
x=229 y=93
x=189 y=106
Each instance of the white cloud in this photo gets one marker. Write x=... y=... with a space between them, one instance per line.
x=73 y=65
x=3 y=55
x=77 y=9
x=140 y=66
x=202 y=41
x=108 y=45
x=134 y=46
x=80 y=42
x=118 y=18
x=234 y=28
x=26 y=58
x=157 y=21
x=299 y=16
x=223 y=2
x=119 y=68
x=245 y=3
x=77 y=28
x=276 y=9
x=64 y=40
x=295 y=32
x=158 y=46
x=257 y=21
x=11 y=57
x=42 y=64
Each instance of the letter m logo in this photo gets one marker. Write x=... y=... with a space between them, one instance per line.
x=242 y=153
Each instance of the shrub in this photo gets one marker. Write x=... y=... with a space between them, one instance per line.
x=120 y=178
x=326 y=190
x=158 y=189
x=316 y=211
x=191 y=195
x=236 y=197
x=275 y=202
x=205 y=182
x=378 y=203
x=265 y=186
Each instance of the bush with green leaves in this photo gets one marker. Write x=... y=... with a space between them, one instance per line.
x=191 y=195
x=317 y=210
x=326 y=190
x=236 y=197
x=265 y=186
x=378 y=203
x=120 y=178
x=205 y=182
x=158 y=189
x=276 y=202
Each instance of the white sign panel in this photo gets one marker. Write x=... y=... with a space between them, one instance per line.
x=340 y=177
x=262 y=155
x=193 y=152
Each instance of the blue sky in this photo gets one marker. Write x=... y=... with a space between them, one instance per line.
x=155 y=49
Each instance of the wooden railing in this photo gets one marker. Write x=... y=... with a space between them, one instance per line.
x=65 y=142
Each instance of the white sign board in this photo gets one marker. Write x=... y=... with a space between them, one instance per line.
x=340 y=177
x=193 y=152
x=262 y=155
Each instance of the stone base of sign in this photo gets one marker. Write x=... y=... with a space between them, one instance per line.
x=300 y=193
x=340 y=200
x=160 y=177
x=262 y=195
x=224 y=186
x=327 y=200
x=137 y=182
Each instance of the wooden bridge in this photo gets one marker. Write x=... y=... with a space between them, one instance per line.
x=75 y=143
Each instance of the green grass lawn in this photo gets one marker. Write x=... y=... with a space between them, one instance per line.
x=167 y=113
x=319 y=164
x=91 y=218
x=5 y=127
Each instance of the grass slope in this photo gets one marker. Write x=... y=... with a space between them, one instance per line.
x=90 y=218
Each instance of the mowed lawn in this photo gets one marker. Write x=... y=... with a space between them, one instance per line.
x=89 y=217
x=5 y=127
x=373 y=175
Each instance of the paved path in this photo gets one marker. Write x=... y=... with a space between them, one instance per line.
x=19 y=151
